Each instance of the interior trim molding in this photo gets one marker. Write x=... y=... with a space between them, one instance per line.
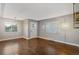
x=62 y=42
x=9 y=39
x=16 y=38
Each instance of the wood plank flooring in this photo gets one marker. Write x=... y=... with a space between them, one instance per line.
x=36 y=46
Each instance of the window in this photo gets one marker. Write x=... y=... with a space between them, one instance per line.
x=10 y=27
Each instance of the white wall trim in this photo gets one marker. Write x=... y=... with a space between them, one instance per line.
x=62 y=42
x=9 y=38
x=14 y=38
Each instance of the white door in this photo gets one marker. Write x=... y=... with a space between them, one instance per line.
x=33 y=29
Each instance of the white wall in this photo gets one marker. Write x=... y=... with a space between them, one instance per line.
x=10 y=35
x=25 y=29
x=0 y=9
x=70 y=35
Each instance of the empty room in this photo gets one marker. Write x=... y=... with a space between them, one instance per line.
x=39 y=28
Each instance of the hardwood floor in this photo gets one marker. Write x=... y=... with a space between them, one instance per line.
x=36 y=46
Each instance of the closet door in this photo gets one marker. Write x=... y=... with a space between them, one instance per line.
x=33 y=29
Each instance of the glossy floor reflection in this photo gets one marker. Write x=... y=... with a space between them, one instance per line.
x=10 y=49
x=36 y=46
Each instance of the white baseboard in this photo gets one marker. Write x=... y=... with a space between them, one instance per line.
x=9 y=38
x=73 y=44
x=14 y=38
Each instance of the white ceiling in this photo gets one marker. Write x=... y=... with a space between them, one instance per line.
x=36 y=11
